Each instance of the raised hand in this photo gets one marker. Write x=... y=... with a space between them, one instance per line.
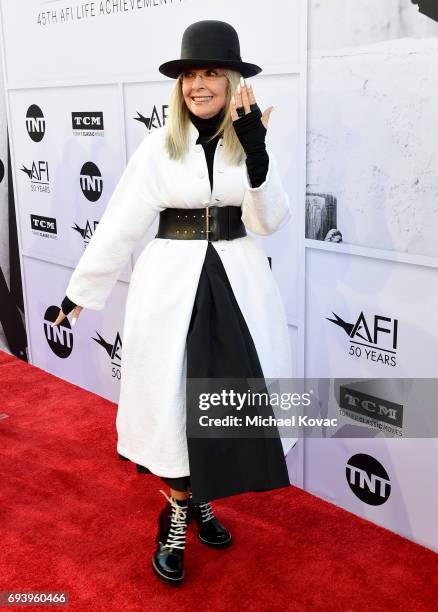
x=244 y=102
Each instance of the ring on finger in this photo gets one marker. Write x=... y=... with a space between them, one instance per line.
x=240 y=111
x=255 y=108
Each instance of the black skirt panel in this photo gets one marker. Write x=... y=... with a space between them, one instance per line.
x=219 y=345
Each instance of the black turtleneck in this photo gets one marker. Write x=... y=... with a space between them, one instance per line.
x=256 y=161
x=206 y=129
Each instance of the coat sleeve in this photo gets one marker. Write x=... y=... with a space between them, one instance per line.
x=265 y=209
x=131 y=209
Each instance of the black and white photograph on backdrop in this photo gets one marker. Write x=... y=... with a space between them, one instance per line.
x=218 y=304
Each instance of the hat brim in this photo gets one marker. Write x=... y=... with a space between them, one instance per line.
x=174 y=68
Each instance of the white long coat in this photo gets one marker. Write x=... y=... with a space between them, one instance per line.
x=151 y=412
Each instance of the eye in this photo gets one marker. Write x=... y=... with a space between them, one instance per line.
x=211 y=72
x=188 y=74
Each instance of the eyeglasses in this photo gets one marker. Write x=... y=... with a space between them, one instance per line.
x=207 y=75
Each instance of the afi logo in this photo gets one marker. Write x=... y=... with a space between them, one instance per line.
x=87 y=231
x=368 y=479
x=35 y=123
x=38 y=173
x=91 y=181
x=156 y=120
x=113 y=350
x=375 y=338
x=59 y=338
x=369 y=333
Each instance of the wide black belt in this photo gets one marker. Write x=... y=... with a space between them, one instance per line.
x=211 y=223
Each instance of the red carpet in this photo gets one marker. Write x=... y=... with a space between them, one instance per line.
x=74 y=517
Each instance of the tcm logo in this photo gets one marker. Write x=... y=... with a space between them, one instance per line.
x=60 y=337
x=87 y=124
x=91 y=181
x=35 y=123
x=375 y=338
x=156 y=119
x=374 y=407
x=38 y=174
x=114 y=352
x=43 y=225
x=87 y=231
x=368 y=479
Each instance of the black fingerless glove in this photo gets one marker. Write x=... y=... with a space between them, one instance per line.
x=67 y=306
x=251 y=133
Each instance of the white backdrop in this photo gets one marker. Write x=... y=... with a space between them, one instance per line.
x=77 y=111
x=372 y=151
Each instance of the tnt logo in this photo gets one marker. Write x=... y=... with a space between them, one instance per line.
x=59 y=338
x=91 y=181
x=35 y=123
x=368 y=479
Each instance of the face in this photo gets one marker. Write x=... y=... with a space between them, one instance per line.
x=204 y=90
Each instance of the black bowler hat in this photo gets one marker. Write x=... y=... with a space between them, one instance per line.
x=209 y=43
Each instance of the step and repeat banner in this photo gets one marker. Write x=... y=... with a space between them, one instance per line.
x=372 y=257
x=79 y=102
x=358 y=264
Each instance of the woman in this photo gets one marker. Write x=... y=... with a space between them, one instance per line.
x=202 y=301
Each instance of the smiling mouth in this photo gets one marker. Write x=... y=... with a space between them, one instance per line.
x=202 y=98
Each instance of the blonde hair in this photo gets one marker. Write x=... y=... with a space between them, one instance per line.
x=178 y=124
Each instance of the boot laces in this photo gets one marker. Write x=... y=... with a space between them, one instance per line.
x=176 y=537
x=206 y=511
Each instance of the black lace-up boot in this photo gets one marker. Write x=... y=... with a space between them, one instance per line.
x=211 y=530
x=168 y=559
